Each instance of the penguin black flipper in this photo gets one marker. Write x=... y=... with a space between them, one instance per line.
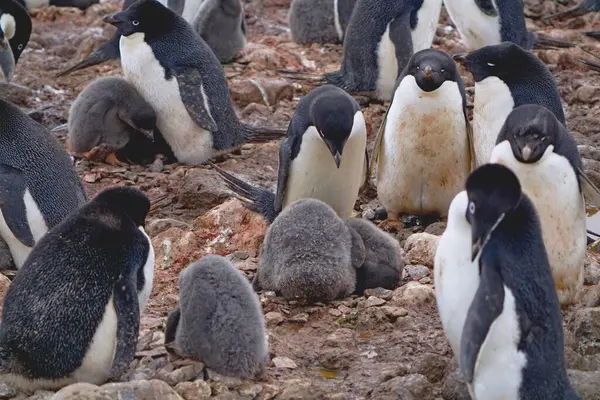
x=128 y=321
x=194 y=98
x=486 y=307
x=401 y=37
x=107 y=51
x=286 y=148
x=487 y=7
x=12 y=190
x=171 y=328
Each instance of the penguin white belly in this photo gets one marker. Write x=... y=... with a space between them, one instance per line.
x=144 y=295
x=388 y=66
x=424 y=158
x=313 y=173
x=336 y=20
x=456 y=278
x=37 y=226
x=190 y=143
x=493 y=103
x=428 y=17
x=498 y=370
x=476 y=29
x=552 y=186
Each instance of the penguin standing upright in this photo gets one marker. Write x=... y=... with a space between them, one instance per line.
x=324 y=156
x=381 y=37
x=15 y=30
x=423 y=150
x=72 y=313
x=180 y=77
x=38 y=185
x=506 y=76
x=511 y=345
x=316 y=21
x=544 y=156
x=491 y=22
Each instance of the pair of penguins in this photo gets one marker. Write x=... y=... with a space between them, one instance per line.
x=380 y=36
x=175 y=93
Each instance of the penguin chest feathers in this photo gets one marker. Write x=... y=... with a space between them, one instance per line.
x=493 y=103
x=313 y=173
x=190 y=143
x=476 y=28
x=424 y=157
x=553 y=187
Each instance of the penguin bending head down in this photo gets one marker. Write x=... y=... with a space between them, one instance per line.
x=544 y=156
x=309 y=253
x=58 y=331
x=324 y=156
x=506 y=76
x=38 y=184
x=15 y=30
x=176 y=72
x=219 y=320
x=511 y=345
x=423 y=149
x=381 y=37
x=317 y=21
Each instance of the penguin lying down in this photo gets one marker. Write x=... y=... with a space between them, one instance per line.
x=326 y=255
x=72 y=313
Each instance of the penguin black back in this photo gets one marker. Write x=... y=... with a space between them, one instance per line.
x=507 y=238
x=48 y=170
x=527 y=77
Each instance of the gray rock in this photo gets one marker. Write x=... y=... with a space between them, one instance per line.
x=80 y=391
x=585 y=326
x=342 y=337
x=415 y=295
x=139 y=390
x=373 y=301
x=250 y=391
x=6 y=391
x=300 y=389
x=591 y=274
x=41 y=395
x=416 y=272
x=160 y=225
x=586 y=384
x=273 y=318
x=202 y=189
x=433 y=366
x=183 y=374
x=408 y=387
x=437 y=228
x=382 y=293
x=455 y=387
x=197 y=390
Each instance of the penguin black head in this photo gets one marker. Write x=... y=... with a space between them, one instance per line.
x=333 y=117
x=144 y=16
x=15 y=30
x=530 y=129
x=127 y=200
x=431 y=68
x=145 y=121
x=493 y=191
x=502 y=60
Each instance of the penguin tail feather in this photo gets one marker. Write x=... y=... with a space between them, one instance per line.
x=571 y=12
x=591 y=65
x=543 y=42
x=256 y=199
x=88 y=62
x=593 y=34
x=256 y=134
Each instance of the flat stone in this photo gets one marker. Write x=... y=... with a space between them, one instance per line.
x=373 y=301
x=382 y=293
x=284 y=362
x=273 y=318
x=302 y=317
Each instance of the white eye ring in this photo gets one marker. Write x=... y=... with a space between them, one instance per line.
x=491 y=64
x=472 y=208
x=135 y=22
x=20 y=47
x=442 y=70
x=418 y=68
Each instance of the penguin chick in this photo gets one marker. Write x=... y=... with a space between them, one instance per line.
x=310 y=253
x=491 y=22
x=544 y=156
x=219 y=320
x=423 y=149
x=381 y=37
x=15 y=30
x=185 y=86
x=511 y=345
x=81 y=4
x=383 y=257
x=72 y=313
x=506 y=76
x=324 y=156
x=109 y=111
x=39 y=186
x=314 y=21
x=222 y=26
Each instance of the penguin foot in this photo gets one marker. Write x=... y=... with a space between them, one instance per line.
x=392 y=223
x=114 y=161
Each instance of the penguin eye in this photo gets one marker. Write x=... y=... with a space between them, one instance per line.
x=20 y=47
x=135 y=22
x=442 y=70
x=544 y=138
x=536 y=136
x=472 y=208
x=418 y=68
x=491 y=64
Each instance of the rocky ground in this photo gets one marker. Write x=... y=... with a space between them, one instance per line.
x=383 y=345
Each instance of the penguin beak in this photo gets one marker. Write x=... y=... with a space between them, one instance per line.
x=476 y=248
x=148 y=133
x=460 y=58
x=115 y=19
x=428 y=70
x=480 y=234
x=526 y=152
x=336 y=150
x=7 y=60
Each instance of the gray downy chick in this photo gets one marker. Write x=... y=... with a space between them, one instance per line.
x=309 y=252
x=109 y=111
x=316 y=21
x=383 y=257
x=219 y=320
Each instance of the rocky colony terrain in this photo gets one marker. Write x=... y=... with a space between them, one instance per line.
x=383 y=345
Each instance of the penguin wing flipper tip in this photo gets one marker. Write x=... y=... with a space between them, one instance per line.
x=589 y=189
x=128 y=322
